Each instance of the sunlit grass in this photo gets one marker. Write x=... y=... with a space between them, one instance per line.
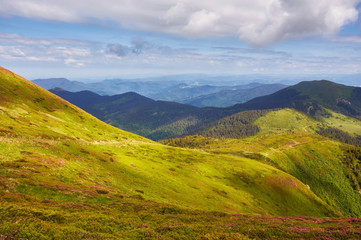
x=66 y=175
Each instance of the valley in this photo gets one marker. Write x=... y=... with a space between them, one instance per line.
x=67 y=175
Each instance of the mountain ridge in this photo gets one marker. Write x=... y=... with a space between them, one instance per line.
x=162 y=89
x=309 y=97
x=161 y=119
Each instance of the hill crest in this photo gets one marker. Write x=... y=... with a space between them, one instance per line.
x=311 y=97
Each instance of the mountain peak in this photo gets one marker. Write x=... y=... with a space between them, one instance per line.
x=314 y=95
x=319 y=83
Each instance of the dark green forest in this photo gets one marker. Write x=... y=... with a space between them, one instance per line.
x=235 y=126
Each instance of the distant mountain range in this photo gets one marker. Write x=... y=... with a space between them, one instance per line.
x=229 y=97
x=184 y=92
x=161 y=119
x=192 y=93
x=106 y=87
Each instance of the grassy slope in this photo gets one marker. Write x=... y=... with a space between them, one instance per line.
x=287 y=141
x=344 y=123
x=53 y=152
x=315 y=160
x=286 y=120
x=250 y=123
x=134 y=218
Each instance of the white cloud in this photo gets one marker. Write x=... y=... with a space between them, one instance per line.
x=8 y=38
x=259 y=22
x=38 y=9
x=347 y=39
x=73 y=62
x=17 y=53
x=202 y=23
x=68 y=51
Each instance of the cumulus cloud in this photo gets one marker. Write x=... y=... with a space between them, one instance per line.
x=259 y=22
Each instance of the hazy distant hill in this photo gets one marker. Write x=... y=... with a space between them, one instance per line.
x=143 y=86
x=60 y=83
x=184 y=93
x=155 y=88
x=106 y=87
x=229 y=97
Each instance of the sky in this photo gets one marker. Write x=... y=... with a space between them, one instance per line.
x=95 y=40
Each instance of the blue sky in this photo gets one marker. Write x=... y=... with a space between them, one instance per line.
x=95 y=40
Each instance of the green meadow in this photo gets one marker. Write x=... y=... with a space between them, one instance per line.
x=66 y=175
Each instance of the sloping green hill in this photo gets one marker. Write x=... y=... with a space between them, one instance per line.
x=286 y=120
x=311 y=97
x=333 y=125
x=64 y=161
x=325 y=165
x=250 y=123
x=27 y=110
